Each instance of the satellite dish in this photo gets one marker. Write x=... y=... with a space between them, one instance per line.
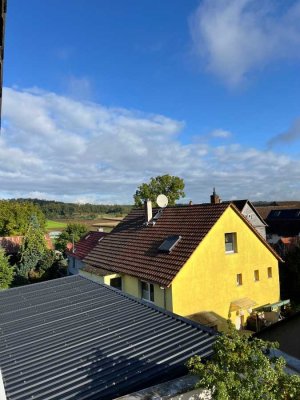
x=162 y=201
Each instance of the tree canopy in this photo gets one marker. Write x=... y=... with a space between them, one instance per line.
x=33 y=249
x=72 y=233
x=6 y=271
x=170 y=186
x=242 y=369
x=15 y=217
x=59 y=210
x=290 y=275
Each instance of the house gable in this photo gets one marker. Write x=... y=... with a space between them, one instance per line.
x=208 y=280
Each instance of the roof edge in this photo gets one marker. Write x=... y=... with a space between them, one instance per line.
x=256 y=233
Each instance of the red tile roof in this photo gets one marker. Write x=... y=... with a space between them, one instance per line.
x=85 y=245
x=132 y=247
x=11 y=244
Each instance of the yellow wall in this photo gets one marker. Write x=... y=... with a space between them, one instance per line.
x=132 y=285
x=207 y=282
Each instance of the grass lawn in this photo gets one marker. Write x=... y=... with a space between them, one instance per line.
x=55 y=224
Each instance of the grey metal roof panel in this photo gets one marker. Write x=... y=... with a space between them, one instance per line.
x=75 y=339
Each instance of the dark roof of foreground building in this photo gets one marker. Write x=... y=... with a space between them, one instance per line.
x=86 y=244
x=72 y=338
x=134 y=248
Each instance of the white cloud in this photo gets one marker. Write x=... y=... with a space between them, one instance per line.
x=236 y=37
x=55 y=147
x=220 y=133
x=79 y=88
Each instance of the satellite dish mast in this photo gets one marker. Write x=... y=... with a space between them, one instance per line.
x=162 y=201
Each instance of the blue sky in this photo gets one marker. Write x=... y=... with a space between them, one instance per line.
x=99 y=96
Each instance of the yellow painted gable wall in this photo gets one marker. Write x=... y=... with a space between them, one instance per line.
x=207 y=282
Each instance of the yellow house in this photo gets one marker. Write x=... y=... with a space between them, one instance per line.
x=205 y=262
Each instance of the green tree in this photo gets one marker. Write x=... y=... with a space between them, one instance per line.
x=170 y=186
x=241 y=369
x=71 y=234
x=6 y=271
x=33 y=249
x=15 y=217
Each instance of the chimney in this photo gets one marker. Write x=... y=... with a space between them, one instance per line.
x=214 y=198
x=148 y=210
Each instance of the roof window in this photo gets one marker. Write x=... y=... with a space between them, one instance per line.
x=168 y=244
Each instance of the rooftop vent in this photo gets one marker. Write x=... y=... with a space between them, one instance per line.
x=168 y=244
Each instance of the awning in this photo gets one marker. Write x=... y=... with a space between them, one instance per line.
x=205 y=318
x=242 y=304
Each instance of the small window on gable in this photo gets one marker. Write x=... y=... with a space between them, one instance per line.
x=270 y=272
x=147 y=291
x=169 y=243
x=239 y=279
x=256 y=275
x=230 y=242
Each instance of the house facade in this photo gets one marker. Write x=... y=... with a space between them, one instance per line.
x=199 y=260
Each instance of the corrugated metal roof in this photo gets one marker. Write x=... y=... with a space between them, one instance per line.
x=72 y=338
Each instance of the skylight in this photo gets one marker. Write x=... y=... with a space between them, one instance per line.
x=168 y=244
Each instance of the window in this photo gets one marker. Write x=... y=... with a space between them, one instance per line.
x=256 y=275
x=239 y=279
x=230 y=242
x=116 y=283
x=147 y=291
x=169 y=243
x=270 y=273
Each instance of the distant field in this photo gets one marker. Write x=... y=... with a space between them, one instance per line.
x=55 y=224
x=106 y=221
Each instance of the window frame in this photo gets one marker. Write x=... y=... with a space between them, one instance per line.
x=239 y=279
x=256 y=275
x=149 y=290
x=119 y=278
x=233 y=242
x=270 y=272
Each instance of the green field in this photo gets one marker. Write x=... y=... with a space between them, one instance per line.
x=55 y=224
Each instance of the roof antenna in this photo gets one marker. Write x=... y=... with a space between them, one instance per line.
x=162 y=201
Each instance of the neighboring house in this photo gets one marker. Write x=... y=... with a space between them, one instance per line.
x=283 y=223
x=192 y=259
x=283 y=220
x=12 y=244
x=80 y=250
x=71 y=338
x=248 y=210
